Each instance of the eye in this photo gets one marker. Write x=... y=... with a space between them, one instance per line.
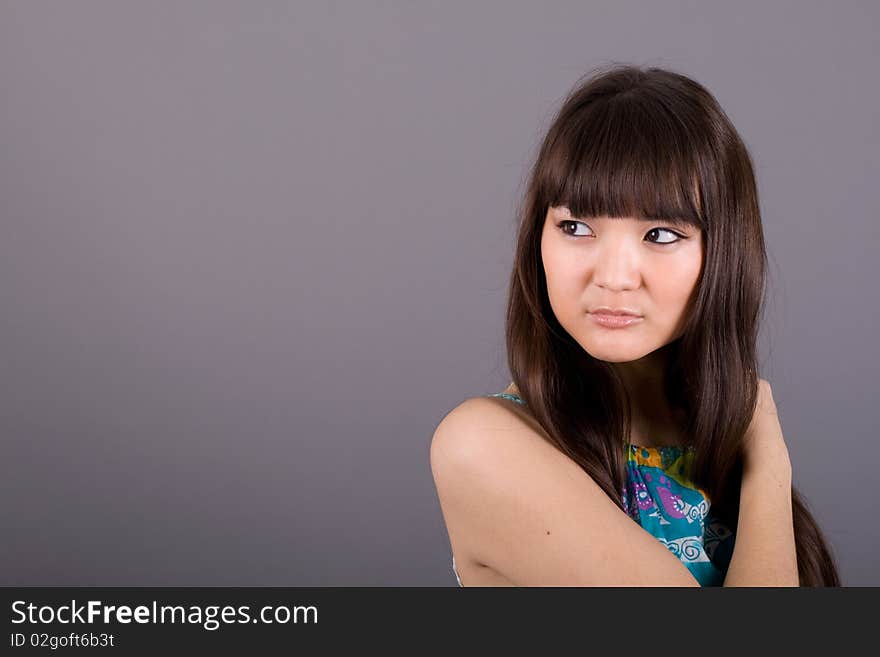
x=566 y=222
x=675 y=235
x=563 y=225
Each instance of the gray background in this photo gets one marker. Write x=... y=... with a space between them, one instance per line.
x=252 y=252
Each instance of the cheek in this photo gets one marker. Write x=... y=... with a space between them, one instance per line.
x=564 y=277
x=677 y=285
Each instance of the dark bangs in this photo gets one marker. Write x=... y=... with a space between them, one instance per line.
x=625 y=156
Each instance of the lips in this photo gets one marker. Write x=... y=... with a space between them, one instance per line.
x=615 y=312
x=614 y=321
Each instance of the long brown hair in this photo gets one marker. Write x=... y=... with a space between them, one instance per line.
x=652 y=143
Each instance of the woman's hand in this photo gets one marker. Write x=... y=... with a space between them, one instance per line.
x=763 y=443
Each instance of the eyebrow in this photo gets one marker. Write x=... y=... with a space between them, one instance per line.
x=675 y=221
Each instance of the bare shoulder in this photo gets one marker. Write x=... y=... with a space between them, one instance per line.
x=474 y=442
x=514 y=504
x=479 y=427
x=493 y=442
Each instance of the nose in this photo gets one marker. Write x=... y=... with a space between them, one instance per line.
x=617 y=265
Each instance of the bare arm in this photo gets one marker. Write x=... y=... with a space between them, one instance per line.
x=764 y=550
x=514 y=502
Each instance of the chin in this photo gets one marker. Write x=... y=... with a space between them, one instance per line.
x=618 y=358
x=621 y=353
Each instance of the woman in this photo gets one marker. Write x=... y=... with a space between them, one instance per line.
x=631 y=337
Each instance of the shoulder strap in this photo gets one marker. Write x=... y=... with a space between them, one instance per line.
x=508 y=395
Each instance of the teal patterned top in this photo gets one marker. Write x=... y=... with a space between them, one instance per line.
x=662 y=499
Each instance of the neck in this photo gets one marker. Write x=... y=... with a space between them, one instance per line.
x=654 y=422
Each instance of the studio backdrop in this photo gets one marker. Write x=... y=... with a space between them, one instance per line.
x=251 y=253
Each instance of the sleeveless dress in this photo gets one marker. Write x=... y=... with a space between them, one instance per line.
x=662 y=499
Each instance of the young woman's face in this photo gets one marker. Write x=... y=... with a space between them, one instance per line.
x=650 y=268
